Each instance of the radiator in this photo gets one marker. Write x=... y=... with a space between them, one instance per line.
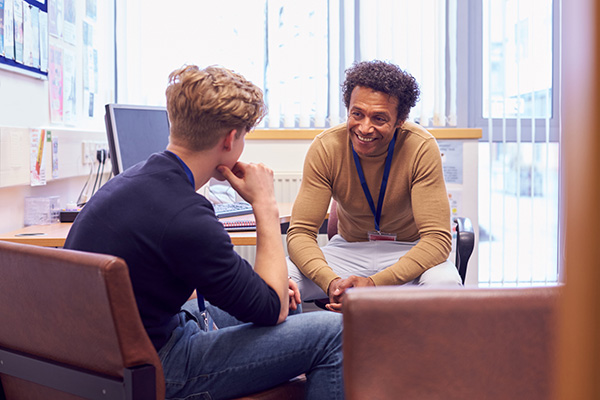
x=287 y=185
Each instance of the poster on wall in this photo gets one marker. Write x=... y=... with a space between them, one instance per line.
x=55 y=17
x=9 y=32
x=55 y=83
x=69 y=88
x=70 y=15
x=91 y=9
x=31 y=36
x=43 y=41
x=35 y=37
x=452 y=160
x=1 y=27
x=18 y=26
x=27 y=36
x=20 y=34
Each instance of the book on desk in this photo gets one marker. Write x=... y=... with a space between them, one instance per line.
x=236 y=216
x=233 y=225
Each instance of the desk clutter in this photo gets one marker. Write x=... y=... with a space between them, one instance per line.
x=41 y=210
x=69 y=214
x=241 y=209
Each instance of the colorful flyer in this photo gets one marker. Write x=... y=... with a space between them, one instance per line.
x=37 y=161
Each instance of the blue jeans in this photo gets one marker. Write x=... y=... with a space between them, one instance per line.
x=239 y=359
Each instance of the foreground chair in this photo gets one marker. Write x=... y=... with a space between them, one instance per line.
x=70 y=329
x=419 y=343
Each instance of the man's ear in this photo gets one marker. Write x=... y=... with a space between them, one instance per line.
x=228 y=140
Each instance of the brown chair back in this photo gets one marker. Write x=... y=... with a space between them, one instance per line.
x=73 y=308
x=418 y=343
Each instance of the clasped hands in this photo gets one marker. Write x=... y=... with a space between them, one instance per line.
x=337 y=290
x=294 y=294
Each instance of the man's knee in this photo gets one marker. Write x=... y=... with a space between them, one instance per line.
x=444 y=274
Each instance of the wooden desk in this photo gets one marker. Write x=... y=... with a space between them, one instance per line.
x=54 y=235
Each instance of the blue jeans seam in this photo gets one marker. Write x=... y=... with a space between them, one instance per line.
x=246 y=366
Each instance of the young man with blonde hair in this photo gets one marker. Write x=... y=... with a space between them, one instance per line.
x=236 y=337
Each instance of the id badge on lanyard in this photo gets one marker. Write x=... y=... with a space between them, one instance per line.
x=377 y=234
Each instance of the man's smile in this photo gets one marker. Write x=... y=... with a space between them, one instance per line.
x=364 y=138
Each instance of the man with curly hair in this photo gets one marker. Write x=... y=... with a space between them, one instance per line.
x=152 y=216
x=385 y=173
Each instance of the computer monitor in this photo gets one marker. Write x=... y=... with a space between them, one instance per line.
x=134 y=133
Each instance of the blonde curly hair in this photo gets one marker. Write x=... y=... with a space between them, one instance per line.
x=206 y=104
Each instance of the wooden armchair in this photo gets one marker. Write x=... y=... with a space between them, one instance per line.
x=70 y=329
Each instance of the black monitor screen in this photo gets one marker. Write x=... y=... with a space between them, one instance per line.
x=134 y=133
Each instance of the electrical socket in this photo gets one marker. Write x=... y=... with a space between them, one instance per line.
x=89 y=149
x=85 y=153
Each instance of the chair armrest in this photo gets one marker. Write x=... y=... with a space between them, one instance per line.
x=465 y=242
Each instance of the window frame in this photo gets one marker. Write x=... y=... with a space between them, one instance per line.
x=470 y=14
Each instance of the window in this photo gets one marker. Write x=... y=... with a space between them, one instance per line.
x=490 y=64
x=296 y=51
x=514 y=98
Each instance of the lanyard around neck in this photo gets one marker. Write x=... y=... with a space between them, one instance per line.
x=386 y=173
x=190 y=176
x=187 y=169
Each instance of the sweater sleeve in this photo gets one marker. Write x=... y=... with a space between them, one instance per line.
x=431 y=212
x=201 y=253
x=308 y=214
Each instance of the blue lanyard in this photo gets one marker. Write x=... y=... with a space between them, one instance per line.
x=386 y=175
x=187 y=169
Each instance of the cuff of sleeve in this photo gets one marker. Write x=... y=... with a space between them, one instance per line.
x=387 y=277
x=324 y=278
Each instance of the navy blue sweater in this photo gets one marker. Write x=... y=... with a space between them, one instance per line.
x=172 y=242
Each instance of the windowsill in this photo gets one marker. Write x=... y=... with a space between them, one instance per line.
x=309 y=134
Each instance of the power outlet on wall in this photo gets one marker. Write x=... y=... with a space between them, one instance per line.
x=89 y=149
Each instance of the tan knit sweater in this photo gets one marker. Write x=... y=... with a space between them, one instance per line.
x=415 y=206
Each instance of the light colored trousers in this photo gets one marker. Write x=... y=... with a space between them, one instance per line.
x=366 y=259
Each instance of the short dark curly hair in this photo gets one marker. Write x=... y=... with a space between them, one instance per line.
x=383 y=77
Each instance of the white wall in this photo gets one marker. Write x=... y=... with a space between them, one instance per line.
x=279 y=155
x=24 y=105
